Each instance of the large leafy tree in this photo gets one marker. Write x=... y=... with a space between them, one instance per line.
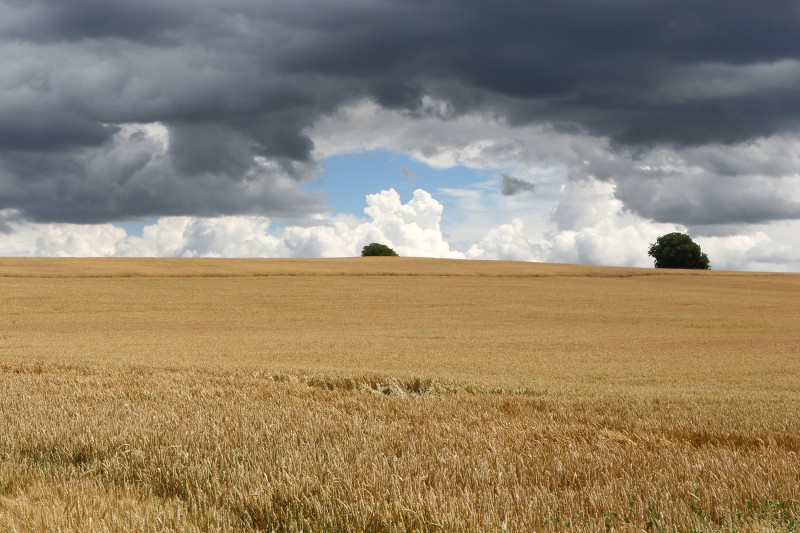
x=678 y=250
x=375 y=248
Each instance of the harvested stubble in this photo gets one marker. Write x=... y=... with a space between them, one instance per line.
x=416 y=395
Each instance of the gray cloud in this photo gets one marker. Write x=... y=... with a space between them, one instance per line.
x=408 y=174
x=511 y=186
x=238 y=84
x=709 y=199
x=49 y=21
x=7 y=219
x=133 y=176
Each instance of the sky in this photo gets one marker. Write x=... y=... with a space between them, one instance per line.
x=537 y=130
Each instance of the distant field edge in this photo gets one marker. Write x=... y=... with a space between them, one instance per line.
x=15 y=267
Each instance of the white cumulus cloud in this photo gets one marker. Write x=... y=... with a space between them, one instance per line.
x=587 y=226
x=508 y=242
x=412 y=229
x=229 y=236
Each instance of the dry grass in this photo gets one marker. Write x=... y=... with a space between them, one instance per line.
x=394 y=395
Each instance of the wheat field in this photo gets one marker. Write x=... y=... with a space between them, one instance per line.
x=395 y=394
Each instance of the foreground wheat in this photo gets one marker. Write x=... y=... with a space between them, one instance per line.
x=434 y=397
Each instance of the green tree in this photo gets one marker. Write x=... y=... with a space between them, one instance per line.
x=678 y=250
x=375 y=249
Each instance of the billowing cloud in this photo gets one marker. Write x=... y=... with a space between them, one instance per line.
x=588 y=226
x=23 y=238
x=239 y=87
x=508 y=242
x=754 y=251
x=412 y=228
x=752 y=182
x=145 y=171
x=229 y=236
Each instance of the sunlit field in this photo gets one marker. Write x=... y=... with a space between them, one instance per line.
x=396 y=394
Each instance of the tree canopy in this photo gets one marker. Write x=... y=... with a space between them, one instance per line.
x=377 y=249
x=678 y=250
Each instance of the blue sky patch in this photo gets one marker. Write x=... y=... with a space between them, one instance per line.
x=346 y=179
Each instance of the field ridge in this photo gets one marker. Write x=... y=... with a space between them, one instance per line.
x=349 y=266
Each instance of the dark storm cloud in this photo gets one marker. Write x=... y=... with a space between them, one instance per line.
x=511 y=186
x=607 y=66
x=134 y=178
x=51 y=21
x=238 y=82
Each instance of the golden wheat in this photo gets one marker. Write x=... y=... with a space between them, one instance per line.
x=395 y=394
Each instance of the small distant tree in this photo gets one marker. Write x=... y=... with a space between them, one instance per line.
x=678 y=250
x=375 y=249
